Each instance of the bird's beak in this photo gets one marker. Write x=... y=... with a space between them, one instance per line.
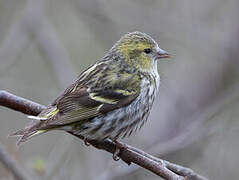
x=162 y=54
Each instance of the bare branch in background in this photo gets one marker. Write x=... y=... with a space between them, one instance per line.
x=97 y=20
x=36 y=23
x=130 y=154
x=12 y=165
x=198 y=129
x=46 y=37
x=12 y=44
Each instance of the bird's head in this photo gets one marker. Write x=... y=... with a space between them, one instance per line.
x=140 y=51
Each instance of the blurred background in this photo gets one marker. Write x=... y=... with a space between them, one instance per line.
x=44 y=45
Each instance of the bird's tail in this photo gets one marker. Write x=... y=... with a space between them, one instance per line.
x=37 y=126
x=28 y=132
x=25 y=135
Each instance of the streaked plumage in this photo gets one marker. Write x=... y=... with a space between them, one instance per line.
x=111 y=99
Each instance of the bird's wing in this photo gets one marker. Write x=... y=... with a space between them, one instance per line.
x=100 y=89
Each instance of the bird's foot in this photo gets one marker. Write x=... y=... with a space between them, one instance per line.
x=86 y=142
x=118 y=147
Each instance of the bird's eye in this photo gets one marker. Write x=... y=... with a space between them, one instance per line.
x=147 y=50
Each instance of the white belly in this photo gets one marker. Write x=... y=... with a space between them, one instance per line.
x=122 y=122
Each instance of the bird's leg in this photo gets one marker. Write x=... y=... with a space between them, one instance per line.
x=118 y=147
x=86 y=141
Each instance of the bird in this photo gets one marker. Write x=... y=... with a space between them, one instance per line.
x=109 y=100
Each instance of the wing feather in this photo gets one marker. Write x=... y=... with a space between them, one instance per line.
x=102 y=93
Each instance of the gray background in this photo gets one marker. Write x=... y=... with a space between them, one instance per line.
x=194 y=122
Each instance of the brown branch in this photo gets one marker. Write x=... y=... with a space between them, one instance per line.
x=129 y=154
x=20 y=104
x=193 y=132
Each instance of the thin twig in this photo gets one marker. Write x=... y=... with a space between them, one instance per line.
x=129 y=154
x=185 y=172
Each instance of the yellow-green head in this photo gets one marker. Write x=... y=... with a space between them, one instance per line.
x=140 y=51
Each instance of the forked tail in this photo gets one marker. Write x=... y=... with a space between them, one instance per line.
x=28 y=132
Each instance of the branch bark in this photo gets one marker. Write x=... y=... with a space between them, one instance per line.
x=129 y=154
